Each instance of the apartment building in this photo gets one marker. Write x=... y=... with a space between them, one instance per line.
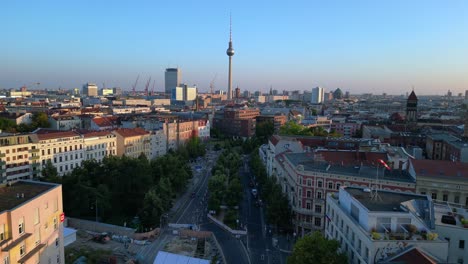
x=65 y=149
x=31 y=229
x=99 y=144
x=306 y=178
x=384 y=226
x=158 y=144
x=131 y=142
x=449 y=224
x=236 y=122
x=443 y=180
x=19 y=158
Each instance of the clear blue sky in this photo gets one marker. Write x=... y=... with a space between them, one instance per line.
x=360 y=46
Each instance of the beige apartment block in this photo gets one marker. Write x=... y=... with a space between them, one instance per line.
x=31 y=229
x=63 y=148
x=131 y=142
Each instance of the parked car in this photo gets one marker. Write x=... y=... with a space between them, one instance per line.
x=254 y=192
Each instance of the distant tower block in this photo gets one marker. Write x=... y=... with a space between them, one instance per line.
x=412 y=108
x=230 y=53
x=238 y=92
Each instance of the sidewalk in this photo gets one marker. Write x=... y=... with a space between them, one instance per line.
x=284 y=243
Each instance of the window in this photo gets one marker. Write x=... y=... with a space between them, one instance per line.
x=309 y=182
x=434 y=196
x=22 y=249
x=36 y=216
x=37 y=236
x=309 y=194
x=319 y=184
x=55 y=223
x=330 y=185
x=338 y=186
x=2 y=232
x=6 y=260
x=445 y=197
x=308 y=206
x=21 y=226
x=461 y=244
x=318 y=221
x=57 y=242
x=456 y=199
x=318 y=208
x=58 y=259
x=319 y=195
x=423 y=193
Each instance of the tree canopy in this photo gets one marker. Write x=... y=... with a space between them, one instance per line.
x=316 y=249
x=293 y=128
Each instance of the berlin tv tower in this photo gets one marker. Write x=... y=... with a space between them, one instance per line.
x=230 y=53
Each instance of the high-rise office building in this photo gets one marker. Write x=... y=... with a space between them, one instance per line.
x=317 y=95
x=172 y=79
x=184 y=93
x=90 y=89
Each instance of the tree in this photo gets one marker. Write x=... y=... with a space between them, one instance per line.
x=316 y=249
x=49 y=173
x=40 y=120
x=264 y=130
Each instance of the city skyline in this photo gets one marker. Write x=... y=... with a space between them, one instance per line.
x=360 y=47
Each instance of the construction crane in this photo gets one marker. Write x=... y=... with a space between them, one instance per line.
x=147 y=86
x=212 y=84
x=134 y=86
x=152 y=88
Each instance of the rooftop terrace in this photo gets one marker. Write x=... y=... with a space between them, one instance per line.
x=385 y=200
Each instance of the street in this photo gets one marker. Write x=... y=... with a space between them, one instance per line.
x=259 y=240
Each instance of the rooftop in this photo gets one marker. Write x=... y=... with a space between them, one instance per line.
x=385 y=200
x=20 y=192
x=311 y=162
x=440 y=169
x=44 y=134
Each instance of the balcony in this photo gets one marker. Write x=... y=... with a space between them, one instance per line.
x=16 y=242
x=2 y=155
x=31 y=253
x=36 y=150
x=34 y=158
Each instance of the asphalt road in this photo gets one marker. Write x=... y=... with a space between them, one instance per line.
x=194 y=211
x=259 y=240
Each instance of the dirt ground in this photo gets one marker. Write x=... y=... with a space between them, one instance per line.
x=85 y=244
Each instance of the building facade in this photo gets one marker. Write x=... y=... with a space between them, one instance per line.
x=374 y=227
x=64 y=149
x=317 y=95
x=132 y=142
x=99 y=144
x=31 y=229
x=19 y=158
x=90 y=90
x=172 y=79
x=306 y=178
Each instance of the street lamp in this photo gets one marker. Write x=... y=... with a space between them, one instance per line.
x=96 y=206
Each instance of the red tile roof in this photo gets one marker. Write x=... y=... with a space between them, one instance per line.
x=351 y=157
x=88 y=134
x=274 y=139
x=105 y=121
x=440 y=168
x=414 y=256
x=131 y=132
x=44 y=134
